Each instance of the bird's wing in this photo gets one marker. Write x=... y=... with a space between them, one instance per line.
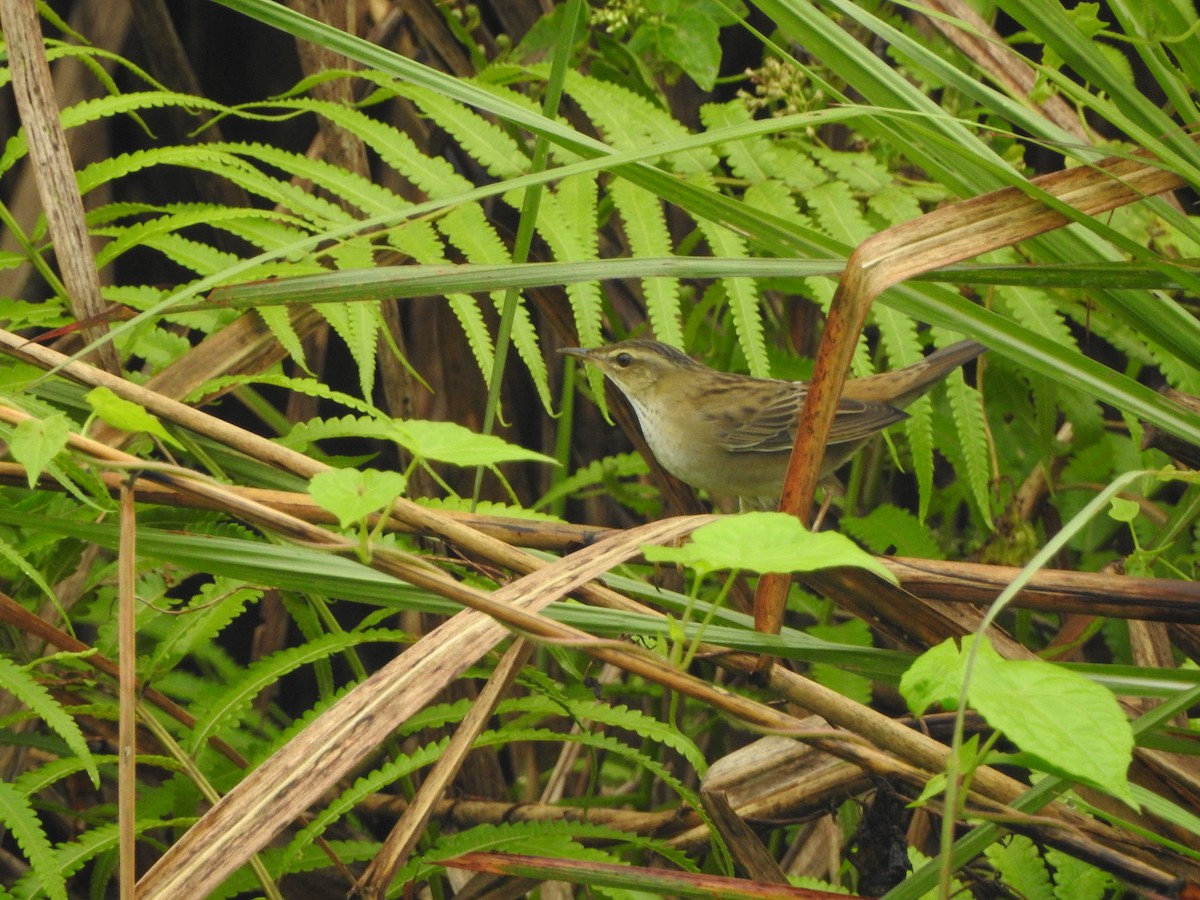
x=773 y=429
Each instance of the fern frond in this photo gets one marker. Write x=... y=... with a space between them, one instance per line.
x=470 y=319
x=434 y=176
x=279 y=321
x=1035 y=310
x=629 y=121
x=754 y=159
x=1019 y=862
x=87 y=111
x=600 y=742
x=201 y=258
x=70 y=857
x=318 y=429
x=25 y=827
x=889 y=529
x=435 y=715
x=469 y=230
x=774 y=197
x=244 y=882
x=227 y=709
x=646 y=230
x=213 y=608
x=309 y=387
x=359 y=326
x=21 y=563
x=966 y=404
x=597 y=474
x=893 y=204
x=858 y=171
x=263 y=229
x=227 y=161
x=487 y=143
x=487 y=508
x=742 y=296
x=837 y=212
x=371 y=783
x=639 y=723
x=349 y=187
x=567 y=223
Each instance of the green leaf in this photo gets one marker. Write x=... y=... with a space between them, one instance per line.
x=351 y=494
x=37 y=441
x=686 y=33
x=1021 y=867
x=646 y=229
x=452 y=443
x=1123 y=510
x=21 y=821
x=126 y=416
x=889 y=529
x=358 y=325
x=766 y=542
x=1077 y=880
x=966 y=405
x=389 y=772
x=934 y=679
x=22 y=685
x=215 y=605
x=221 y=712
x=1063 y=722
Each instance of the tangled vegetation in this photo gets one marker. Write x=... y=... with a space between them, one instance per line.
x=324 y=572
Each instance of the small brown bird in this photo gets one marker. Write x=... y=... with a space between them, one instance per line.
x=732 y=434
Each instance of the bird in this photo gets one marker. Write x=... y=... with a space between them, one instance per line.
x=731 y=434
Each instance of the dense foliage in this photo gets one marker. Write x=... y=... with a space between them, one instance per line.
x=300 y=494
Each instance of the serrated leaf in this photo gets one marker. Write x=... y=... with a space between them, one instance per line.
x=37 y=441
x=373 y=782
x=351 y=494
x=742 y=296
x=765 y=542
x=1063 y=722
x=232 y=703
x=217 y=604
x=838 y=213
x=629 y=121
x=1035 y=310
x=126 y=416
x=22 y=685
x=468 y=229
x=470 y=319
x=858 y=171
x=1021 y=867
x=452 y=443
x=889 y=529
x=646 y=230
x=966 y=405
x=23 y=824
x=305 y=433
x=358 y=325
x=488 y=143
x=1077 y=880
x=894 y=204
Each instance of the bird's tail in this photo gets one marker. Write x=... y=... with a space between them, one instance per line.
x=902 y=386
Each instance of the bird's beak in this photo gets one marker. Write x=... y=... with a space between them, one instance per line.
x=576 y=351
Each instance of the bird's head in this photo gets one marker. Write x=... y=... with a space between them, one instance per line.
x=640 y=369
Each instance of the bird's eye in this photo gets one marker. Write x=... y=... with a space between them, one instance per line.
x=624 y=360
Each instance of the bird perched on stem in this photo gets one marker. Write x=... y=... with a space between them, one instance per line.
x=732 y=434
